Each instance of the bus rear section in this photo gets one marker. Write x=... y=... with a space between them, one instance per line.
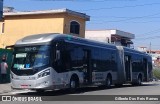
x=138 y=66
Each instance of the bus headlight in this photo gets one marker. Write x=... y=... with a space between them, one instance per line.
x=44 y=73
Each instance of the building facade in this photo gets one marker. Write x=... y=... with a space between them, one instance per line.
x=20 y=24
x=155 y=54
x=113 y=36
x=155 y=57
x=142 y=49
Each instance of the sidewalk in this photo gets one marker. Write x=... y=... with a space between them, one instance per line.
x=4 y=88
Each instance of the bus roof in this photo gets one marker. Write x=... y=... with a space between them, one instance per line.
x=49 y=37
x=36 y=38
x=129 y=50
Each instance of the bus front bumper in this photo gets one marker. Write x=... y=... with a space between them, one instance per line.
x=31 y=84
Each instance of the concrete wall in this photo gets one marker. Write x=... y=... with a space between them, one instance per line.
x=17 y=27
x=109 y=36
x=98 y=35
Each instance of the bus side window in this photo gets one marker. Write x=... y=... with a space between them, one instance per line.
x=67 y=60
x=64 y=57
x=59 y=48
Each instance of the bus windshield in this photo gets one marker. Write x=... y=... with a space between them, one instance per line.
x=30 y=57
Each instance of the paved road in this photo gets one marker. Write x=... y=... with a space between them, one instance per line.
x=147 y=89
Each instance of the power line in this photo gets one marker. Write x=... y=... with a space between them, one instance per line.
x=118 y=17
x=135 y=22
x=137 y=44
x=81 y=0
x=152 y=37
x=140 y=17
x=103 y=21
x=151 y=32
x=126 y=6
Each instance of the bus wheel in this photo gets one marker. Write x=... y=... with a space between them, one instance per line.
x=138 y=81
x=40 y=91
x=108 y=81
x=73 y=84
x=118 y=85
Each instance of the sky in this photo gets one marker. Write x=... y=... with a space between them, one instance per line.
x=139 y=17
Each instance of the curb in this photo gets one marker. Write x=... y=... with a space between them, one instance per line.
x=5 y=88
x=6 y=91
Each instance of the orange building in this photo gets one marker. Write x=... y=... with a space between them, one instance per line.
x=16 y=25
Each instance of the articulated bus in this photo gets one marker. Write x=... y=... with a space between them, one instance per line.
x=59 y=61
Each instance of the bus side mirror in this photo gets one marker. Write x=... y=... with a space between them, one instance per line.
x=58 y=55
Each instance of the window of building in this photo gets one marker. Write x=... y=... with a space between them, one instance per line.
x=74 y=27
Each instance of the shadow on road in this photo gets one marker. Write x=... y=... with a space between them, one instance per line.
x=80 y=90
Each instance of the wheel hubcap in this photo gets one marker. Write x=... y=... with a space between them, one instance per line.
x=73 y=84
x=139 y=81
x=108 y=82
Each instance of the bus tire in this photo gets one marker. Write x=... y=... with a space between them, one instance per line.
x=118 y=85
x=73 y=85
x=108 y=81
x=138 y=81
x=40 y=90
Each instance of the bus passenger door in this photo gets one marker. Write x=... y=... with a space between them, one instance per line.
x=87 y=67
x=128 y=68
x=145 y=69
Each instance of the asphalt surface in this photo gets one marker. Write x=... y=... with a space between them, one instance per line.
x=147 y=89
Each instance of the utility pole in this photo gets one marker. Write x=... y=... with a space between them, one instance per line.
x=150 y=48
